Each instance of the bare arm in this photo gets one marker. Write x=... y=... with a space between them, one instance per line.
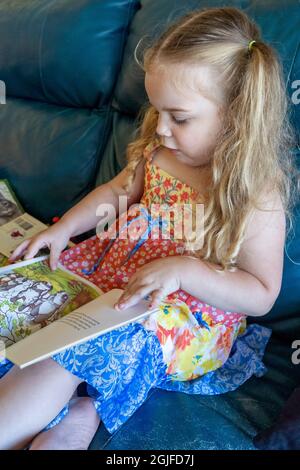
x=83 y=216
x=254 y=287
x=237 y=291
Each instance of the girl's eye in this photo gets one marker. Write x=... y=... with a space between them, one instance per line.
x=179 y=121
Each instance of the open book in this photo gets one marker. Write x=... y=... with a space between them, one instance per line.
x=16 y=225
x=43 y=312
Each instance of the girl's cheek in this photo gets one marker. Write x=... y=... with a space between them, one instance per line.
x=184 y=142
x=178 y=138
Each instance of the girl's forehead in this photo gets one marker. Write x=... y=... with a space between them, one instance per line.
x=186 y=82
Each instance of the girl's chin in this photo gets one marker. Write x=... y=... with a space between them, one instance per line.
x=182 y=157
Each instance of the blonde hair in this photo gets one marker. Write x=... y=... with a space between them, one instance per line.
x=254 y=151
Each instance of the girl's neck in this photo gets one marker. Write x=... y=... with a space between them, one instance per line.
x=197 y=177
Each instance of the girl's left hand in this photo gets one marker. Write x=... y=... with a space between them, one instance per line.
x=161 y=277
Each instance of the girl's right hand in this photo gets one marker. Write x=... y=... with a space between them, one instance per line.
x=55 y=238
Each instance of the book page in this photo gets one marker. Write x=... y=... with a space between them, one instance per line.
x=32 y=296
x=6 y=268
x=13 y=228
x=87 y=322
x=17 y=230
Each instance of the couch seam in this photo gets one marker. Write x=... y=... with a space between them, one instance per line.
x=292 y=64
x=124 y=39
x=40 y=47
x=102 y=141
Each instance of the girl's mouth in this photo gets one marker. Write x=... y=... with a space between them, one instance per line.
x=172 y=150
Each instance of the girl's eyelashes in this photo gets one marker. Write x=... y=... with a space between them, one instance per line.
x=179 y=121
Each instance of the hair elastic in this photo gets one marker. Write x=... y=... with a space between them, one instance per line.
x=250 y=45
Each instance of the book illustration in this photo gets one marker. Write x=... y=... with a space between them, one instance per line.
x=32 y=296
x=10 y=208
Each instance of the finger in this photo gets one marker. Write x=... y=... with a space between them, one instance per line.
x=156 y=297
x=140 y=273
x=19 y=250
x=132 y=299
x=34 y=248
x=54 y=256
x=132 y=287
x=133 y=279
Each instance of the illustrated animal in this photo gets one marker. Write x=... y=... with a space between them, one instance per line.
x=49 y=308
x=37 y=302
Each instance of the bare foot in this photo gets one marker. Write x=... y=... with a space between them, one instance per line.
x=74 y=432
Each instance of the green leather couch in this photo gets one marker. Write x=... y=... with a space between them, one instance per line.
x=73 y=94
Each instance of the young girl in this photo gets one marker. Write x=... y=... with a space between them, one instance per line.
x=214 y=133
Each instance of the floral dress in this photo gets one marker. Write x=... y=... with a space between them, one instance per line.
x=187 y=345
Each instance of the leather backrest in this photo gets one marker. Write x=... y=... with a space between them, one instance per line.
x=59 y=60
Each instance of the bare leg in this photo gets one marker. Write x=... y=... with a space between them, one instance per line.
x=74 y=432
x=30 y=398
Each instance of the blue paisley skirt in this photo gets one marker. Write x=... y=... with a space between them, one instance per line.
x=122 y=366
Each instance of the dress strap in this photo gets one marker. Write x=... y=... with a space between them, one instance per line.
x=150 y=148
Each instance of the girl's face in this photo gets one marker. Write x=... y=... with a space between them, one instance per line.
x=189 y=105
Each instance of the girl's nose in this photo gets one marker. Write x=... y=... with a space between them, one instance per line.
x=162 y=128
